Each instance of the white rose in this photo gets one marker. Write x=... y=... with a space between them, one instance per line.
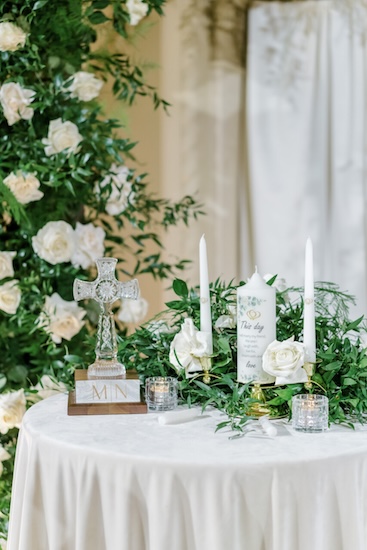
x=47 y=387
x=24 y=186
x=55 y=242
x=60 y=318
x=133 y=311
x=12 y=37
x=188 y=347
x=137 y=10
x=4 y=455
x=284 y=360
x=120 y=194
x=157 y=328
x=227 y=321
x=10 y=296
x=15 y=102
x=85 y=86
x=62 y=136
x=12 y=409
x=89 y=245
x=280 y=284
x=6 y=264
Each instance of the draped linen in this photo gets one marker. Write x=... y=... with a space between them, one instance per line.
x=129 y=483
x=306 y=127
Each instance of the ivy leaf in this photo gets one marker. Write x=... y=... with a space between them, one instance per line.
x=38 y=5
x=354 y=324
x=98 y=17
x=335 y=365
x=349 y=382
x=100 y=4
x=176 y=305
x=180 y=288
x=286 y=394
x=224 y=345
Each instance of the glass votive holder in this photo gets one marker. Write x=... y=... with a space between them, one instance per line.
x=161 y=393
x=310 y=413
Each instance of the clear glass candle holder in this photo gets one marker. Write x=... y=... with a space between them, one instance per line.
x=161 y=393
x=310 y=413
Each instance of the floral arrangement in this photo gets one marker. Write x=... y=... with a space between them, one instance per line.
x=172 y=343
x=69 y=193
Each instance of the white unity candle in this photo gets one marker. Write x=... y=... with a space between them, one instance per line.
x=309 y=333
x=256 y=328
x=205 y=310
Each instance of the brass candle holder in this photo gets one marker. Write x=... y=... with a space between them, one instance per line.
x=258 y=408
x=206 y=363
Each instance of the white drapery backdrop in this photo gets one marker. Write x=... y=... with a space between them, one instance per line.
x=306 y=124
x=275 y=154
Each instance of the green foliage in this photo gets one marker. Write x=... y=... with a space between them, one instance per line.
x=341 y=371
x=77 y=185
x=60 y=41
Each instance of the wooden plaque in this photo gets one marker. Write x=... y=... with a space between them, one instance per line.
x=105 y=403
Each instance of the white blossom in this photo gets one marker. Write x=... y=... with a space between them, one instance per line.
x=280 y=284
x=62 y=137
x=12 y=37
x=284 y=360
x=12 y=409
x=54 y=242
x=229 y=320
x=120 y=195
x=15 y=102
x=85 y=86
x=6 y=264
x=132 y=311
x=47 y=387
x=137 y=10
x=157 y=327
x=188 y=347
x=61 y=318
x=24 y=186
x=10 y=296
x=4 y=455
x=89 y=245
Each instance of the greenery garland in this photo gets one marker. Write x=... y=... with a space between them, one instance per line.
x=69 y=193
x=341 y=370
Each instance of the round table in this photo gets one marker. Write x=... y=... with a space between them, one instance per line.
x=126 y=482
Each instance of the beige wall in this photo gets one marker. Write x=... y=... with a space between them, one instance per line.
x=158 y=135
x=142 y=124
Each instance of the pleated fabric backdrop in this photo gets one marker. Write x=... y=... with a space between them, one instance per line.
x=268 y=126
x=306 y=128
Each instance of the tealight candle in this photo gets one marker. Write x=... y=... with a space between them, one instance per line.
x=310 y=413
x=161 y=393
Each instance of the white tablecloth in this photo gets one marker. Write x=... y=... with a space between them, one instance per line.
x=129 y=483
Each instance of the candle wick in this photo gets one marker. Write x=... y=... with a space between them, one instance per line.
x=255 y=268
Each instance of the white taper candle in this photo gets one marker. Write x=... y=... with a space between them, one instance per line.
x=309 y=332
x=205 y=310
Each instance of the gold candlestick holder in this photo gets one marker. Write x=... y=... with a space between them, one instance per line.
x=310 y=371
x=259 y=408
x=206 y=363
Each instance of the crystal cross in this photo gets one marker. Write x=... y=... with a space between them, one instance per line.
x=106 y=289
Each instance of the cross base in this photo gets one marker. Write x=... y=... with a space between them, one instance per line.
x=106 y=369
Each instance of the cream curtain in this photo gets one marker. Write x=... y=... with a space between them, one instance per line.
x=203 y=47
x=276 y=154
